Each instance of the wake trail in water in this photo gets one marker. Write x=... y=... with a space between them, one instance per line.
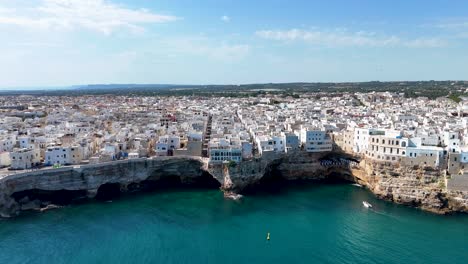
x=382 y=213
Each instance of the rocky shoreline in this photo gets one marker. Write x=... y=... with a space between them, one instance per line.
x=419 y=187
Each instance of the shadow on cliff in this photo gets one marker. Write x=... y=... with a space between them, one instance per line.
x=274 y=182
x=166 y=183
x=36 y=199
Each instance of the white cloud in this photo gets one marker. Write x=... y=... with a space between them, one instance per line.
x=97 y=15
x=225 y=18
x=343 y=37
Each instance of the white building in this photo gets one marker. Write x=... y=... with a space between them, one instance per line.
x=63 y=155
x=166 y=144
x=221 y=149
x=24 y=158
x=425 y=155
x=7 y=143
x=26 y=142
x=315 y=140
x=386 y=146
x=452 y=141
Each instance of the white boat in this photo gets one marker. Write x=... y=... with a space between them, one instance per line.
x=366 y=204
x=357 y=185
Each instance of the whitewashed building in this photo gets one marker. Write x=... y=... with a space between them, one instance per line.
x=24 y=158
x=315 y=140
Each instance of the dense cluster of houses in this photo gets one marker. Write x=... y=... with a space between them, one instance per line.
x=59 y=131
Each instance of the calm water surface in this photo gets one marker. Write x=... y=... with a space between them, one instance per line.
x=308 y=224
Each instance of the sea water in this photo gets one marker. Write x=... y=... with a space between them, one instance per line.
x=308 y=223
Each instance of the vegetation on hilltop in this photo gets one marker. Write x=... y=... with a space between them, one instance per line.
x=430 y=89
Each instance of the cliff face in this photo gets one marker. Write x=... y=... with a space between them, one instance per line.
x=414 y=186
x=421 y=187
x=293 y=166
x=33 y=190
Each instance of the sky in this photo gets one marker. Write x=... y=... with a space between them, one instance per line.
x=73 y=42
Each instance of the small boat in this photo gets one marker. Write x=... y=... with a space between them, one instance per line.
x=357 y=185
x=268 y=236
x=366 y=204
x=50 y=207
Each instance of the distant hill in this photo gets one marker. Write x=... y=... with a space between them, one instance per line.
x=121 y=86
x=430 y=89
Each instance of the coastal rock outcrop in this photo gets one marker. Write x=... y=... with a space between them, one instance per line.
x=35 y=190
x=416 y=186
x=421 y=187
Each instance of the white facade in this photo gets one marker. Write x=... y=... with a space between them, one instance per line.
x=452 y=141
x=24 y=158
x=361 y=139
x=25 y=142
x=264 y=144
x=7 y=143
x=229 y=154
x=316 y=140
x=279 y=143
x=162 y=149
x=63 y=155
x=425 y=154
x=388 y=148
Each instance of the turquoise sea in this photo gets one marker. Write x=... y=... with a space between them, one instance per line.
x=308 y=223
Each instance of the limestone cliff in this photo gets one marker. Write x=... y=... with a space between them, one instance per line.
x=421 y=187
x=21 y=191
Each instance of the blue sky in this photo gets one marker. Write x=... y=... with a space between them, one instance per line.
x=69 y=42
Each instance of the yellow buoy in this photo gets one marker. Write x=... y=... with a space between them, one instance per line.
x=268 y=236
